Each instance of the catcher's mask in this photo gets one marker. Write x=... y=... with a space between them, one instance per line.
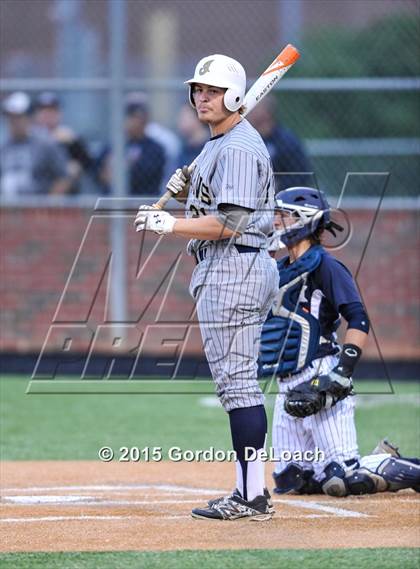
x=309 y=210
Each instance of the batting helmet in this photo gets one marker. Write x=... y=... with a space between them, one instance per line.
x=221 y=71
x=309 y=207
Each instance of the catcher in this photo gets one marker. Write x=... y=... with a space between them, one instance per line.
x=315 y=407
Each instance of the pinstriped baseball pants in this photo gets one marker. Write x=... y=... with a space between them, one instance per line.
x=332 y=430
x=233 y=295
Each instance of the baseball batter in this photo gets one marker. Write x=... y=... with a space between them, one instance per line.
x=229 y=212
x=299 y=346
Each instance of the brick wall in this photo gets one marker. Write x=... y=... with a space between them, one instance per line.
x=39 y=286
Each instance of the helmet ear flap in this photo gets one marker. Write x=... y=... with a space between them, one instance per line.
x=233 y=99
x=316 y=220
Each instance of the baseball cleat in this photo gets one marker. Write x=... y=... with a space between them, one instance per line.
x=235 y=507
x=237 y=493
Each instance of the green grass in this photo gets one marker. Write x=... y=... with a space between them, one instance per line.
x=247 y=559
x=395 y=416
x=36 y=427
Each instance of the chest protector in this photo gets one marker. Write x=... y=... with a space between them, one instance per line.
x=290 y=335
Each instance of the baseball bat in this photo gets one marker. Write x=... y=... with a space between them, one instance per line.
x=262 y=86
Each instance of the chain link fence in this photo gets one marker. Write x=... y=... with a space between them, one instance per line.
x=102 y=101
x=351 y=101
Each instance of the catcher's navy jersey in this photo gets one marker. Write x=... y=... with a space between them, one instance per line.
x=328 y=289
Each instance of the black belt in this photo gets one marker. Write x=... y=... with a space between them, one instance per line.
x=201 y=254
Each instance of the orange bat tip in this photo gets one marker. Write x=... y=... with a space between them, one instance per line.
x=287 y=57
x=290 y=54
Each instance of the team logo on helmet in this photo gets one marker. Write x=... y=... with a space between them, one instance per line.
x=206 y=67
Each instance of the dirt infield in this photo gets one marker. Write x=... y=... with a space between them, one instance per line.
x=94 y=506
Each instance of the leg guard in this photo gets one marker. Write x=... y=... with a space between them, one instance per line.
x=363 y=481
x=400 y=473
x=334 y=483
x=290 y=480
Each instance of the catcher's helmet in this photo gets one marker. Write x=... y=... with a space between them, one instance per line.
x=221 y=71
x=309 y=207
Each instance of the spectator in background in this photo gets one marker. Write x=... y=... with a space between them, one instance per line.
x=29 y=164
x=48 y=118
x=145 y=157
x=166 y=138
x=287 y=153
x=194 y=135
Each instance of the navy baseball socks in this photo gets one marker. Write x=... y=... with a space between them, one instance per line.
x=250 y=499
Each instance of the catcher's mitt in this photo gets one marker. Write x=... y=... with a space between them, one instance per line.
x=319 y=393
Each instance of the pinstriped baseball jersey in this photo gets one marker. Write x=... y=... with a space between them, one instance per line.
x=234 y=291
x=235 y=168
